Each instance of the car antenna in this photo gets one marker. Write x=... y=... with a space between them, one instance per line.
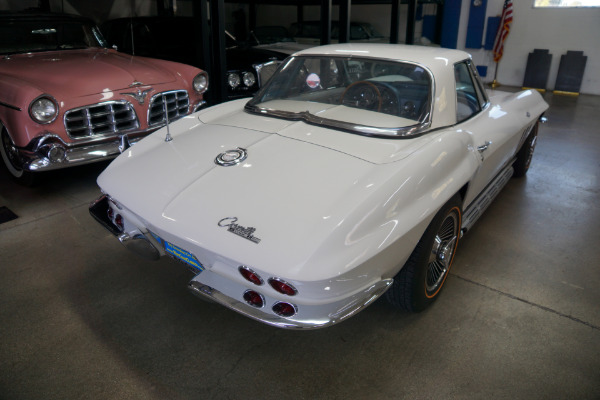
x=131 y=15
x=168 y=138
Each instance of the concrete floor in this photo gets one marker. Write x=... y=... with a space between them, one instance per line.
x=519 y=318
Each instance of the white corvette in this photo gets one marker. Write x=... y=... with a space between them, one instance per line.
x=351 y=174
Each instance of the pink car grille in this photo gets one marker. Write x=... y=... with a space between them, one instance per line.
x=177 y=103
x=111 y=117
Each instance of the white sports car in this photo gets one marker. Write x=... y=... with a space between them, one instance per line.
x=352 y=174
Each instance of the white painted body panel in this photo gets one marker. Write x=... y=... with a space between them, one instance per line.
x=335 y=212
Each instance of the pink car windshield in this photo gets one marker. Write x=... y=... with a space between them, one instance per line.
x=25 y=36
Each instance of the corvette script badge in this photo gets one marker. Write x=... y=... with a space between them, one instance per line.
x=233 y=227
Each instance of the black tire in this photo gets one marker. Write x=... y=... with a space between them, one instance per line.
x=524 y=156
x=10 y=157
x=419 y=282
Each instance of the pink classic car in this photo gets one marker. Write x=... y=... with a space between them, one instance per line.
x=66 y=99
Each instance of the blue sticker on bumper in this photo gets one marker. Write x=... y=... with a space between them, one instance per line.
x=179 y=253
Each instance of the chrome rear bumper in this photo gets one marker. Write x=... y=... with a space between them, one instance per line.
x=313 y=317
x=136 y=241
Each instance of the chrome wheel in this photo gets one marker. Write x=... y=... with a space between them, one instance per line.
x=442 y=252
x=531 y=149
x=525 y=154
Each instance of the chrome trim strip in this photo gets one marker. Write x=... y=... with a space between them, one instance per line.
x=373 y=131
x=356 y=304
x=10 y=106
x=485 y=198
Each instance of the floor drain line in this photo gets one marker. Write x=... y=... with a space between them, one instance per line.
x=529 y=302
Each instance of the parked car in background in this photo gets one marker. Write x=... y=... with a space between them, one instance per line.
x=309 y=32
x=351 y=174
x=174 y=38
x=66 y=99
x=275 y=39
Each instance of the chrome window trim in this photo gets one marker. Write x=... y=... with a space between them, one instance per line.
x=481 y=93
x=259 y=67
x=478 y=90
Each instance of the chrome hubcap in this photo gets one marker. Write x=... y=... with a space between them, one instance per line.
x=10 y=151
x=531 y=148
x=442 y=252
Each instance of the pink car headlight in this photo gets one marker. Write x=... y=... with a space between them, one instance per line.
x=43 y=110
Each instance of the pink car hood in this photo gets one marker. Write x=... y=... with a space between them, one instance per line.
x=83 y=72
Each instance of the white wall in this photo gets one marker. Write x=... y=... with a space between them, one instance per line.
x=557 y=30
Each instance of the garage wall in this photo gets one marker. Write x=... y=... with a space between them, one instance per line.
x=555 y=29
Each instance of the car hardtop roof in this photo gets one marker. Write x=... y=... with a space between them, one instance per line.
x=428 y=56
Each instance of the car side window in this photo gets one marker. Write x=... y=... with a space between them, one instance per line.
x=467 y=103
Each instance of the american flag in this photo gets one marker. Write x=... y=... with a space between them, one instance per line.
x=503 y=29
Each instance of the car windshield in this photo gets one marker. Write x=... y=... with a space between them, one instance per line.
x=46 y=35
x=366 y=96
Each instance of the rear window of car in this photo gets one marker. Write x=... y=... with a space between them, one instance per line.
x=387 y=98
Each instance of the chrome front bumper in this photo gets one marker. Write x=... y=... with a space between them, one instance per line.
x=49 y=152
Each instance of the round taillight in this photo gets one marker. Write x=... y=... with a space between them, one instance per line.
x=119 y=221
x=253 y=298
x=285 y=310
x=282 y=286
x=250 y=275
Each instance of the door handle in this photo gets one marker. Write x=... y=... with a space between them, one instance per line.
x=484 y=147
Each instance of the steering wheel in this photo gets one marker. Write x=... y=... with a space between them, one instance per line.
x=469 y=100
x=362 y=94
